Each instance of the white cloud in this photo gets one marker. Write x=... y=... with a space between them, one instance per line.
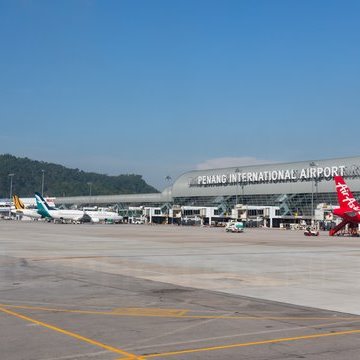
x=232 y=162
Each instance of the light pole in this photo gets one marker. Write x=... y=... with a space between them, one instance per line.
x=11 y=181
x=237 y=185
x=168 y=179
x=312 y=164
x=90 y=185
x=42 y=182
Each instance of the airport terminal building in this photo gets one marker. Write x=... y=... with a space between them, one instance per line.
x=295 y=188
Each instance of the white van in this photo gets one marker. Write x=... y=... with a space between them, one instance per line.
x=234 y=226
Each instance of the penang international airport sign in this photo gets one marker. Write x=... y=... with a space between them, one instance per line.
x=270 y=176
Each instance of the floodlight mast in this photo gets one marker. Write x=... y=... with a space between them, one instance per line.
x=11 y=184
x=42 y=182
x=312 y=164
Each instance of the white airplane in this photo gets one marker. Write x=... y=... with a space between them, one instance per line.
x=59 y=214
x=74 y=215
x=103 y=215
x=22 y=210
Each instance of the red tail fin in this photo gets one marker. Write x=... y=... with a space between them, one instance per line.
x=345 y=197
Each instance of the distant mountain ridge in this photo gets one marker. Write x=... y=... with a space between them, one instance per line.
x=63 y=181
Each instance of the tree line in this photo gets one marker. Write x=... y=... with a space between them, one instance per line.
x=62 y=181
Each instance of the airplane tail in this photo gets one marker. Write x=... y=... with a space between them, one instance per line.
x=346 y=199
x=19 y=205
x=42 y=205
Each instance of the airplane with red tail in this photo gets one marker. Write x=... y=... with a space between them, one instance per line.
x=349 y=209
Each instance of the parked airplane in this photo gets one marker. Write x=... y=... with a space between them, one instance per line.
x=102 y=215
x=75 y=215
x=349 y=209
x=21 y=209
x=59 y=214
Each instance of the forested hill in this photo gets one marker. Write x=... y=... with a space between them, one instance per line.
x=62 y=181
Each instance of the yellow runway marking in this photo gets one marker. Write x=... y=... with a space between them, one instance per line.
x=141 y=312
x=71 y=334
x=149 y=312
x=175 y=313
x=254 y=343
x=136 y=312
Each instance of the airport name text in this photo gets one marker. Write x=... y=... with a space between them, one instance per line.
x=253 y=177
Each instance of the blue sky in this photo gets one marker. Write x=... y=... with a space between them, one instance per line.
x=158 y=87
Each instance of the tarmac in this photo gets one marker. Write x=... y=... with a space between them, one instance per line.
x=176 y=292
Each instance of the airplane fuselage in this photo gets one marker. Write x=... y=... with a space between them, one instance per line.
x=74 y=215
x=29 y=213
x=103 y=215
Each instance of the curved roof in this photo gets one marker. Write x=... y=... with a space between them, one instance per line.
x=278 y=178
x=155 y=198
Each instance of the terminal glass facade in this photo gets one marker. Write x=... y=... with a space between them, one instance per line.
x=290 y=204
